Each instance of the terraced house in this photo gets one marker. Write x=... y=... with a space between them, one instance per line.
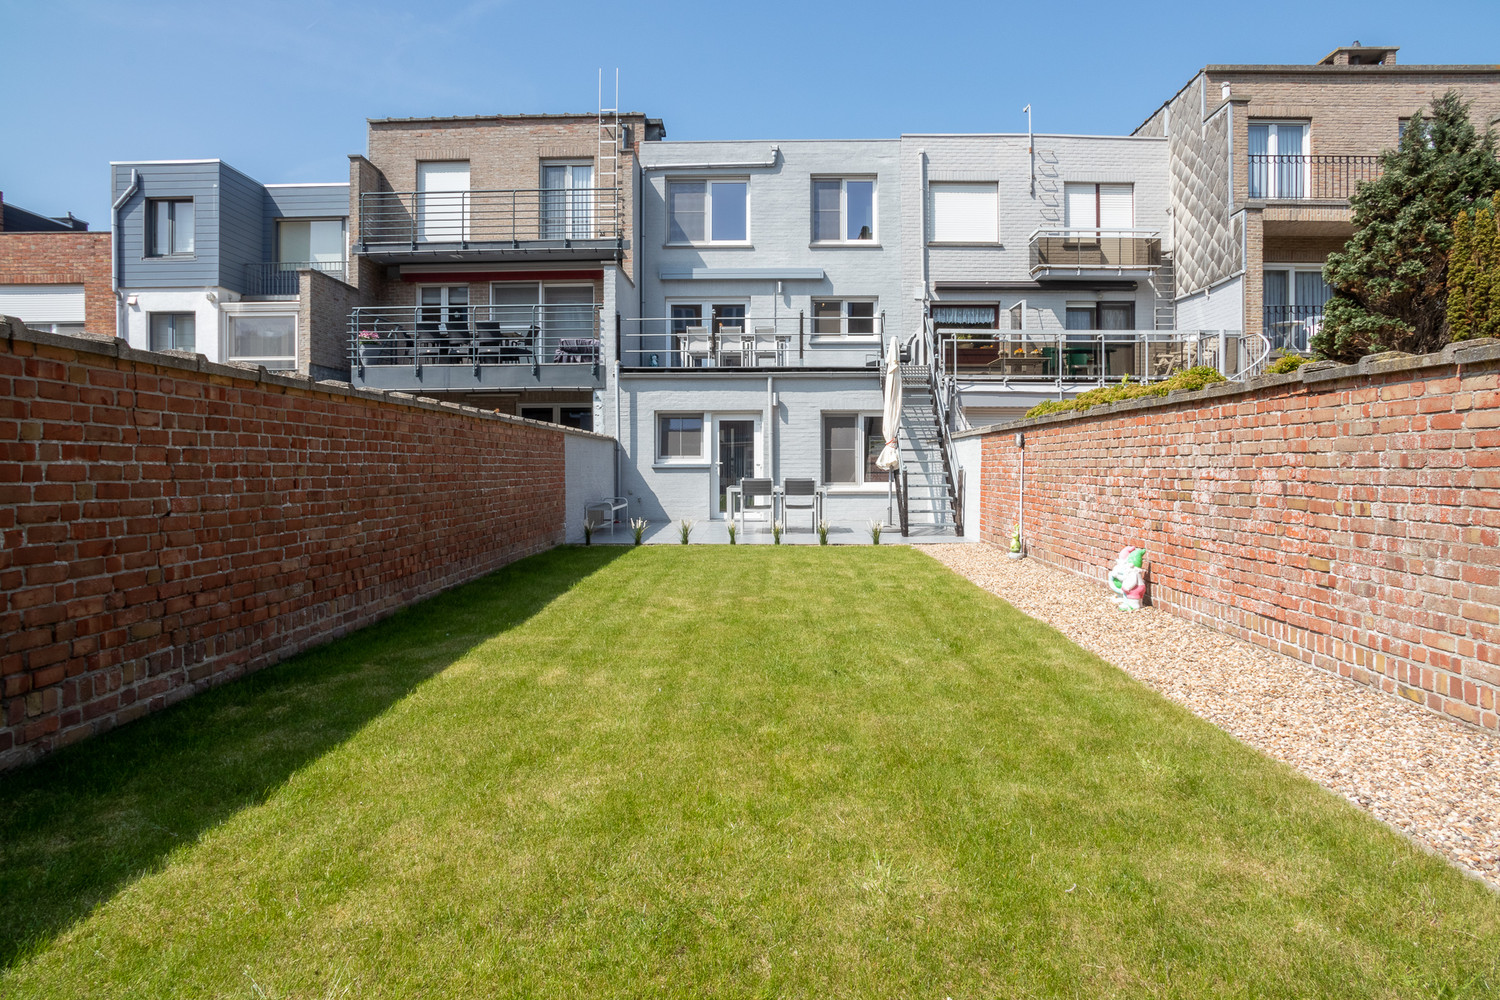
x=209 y=260
x=721 y=308
x=1261 y=163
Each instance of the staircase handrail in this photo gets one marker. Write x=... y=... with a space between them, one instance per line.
x=943 y=401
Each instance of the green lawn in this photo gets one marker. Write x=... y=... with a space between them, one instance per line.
x=705 y=771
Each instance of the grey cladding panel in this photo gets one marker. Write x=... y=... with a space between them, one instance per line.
x=241 y=227
x=199 y=181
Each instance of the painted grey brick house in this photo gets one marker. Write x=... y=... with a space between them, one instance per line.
x=207 y=259
x=771 y=279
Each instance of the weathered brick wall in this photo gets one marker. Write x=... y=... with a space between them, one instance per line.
x=169 y=524
x=1348 y=516
x=64 y=259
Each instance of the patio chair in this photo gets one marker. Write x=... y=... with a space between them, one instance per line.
x=751 y=492
x=696 y=348
x=802 y=494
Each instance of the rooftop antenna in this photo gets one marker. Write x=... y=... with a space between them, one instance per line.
x=1030 y=149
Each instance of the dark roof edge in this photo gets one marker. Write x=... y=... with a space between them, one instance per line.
x=484 y=117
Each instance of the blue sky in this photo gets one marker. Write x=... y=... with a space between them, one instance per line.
x=281 y=89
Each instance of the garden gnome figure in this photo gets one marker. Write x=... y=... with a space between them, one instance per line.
x=1128 y=579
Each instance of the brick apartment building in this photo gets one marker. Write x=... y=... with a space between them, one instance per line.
x=54 y=273
x=1262 y=161
x=498 y=238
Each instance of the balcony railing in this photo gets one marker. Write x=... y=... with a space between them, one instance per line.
x=1291 y=328
x=414 y=218
x=741 y=342
x=1073 y=357
x=475 y=336
x=1094 y=250
x=280 y=277
x=1306 y=177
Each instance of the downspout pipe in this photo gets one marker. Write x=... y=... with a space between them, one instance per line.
x=114 y=246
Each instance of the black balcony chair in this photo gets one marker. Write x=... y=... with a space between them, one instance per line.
x=489 y=341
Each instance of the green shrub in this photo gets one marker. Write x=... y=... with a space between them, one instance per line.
x=1192 y=378
x=1286 y=363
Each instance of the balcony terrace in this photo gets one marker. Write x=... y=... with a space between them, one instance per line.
x=1087 y=253
x=279 y=278
x=411 y=226
x=729 y=344
x=1071 y=359
x=449 y=348
x=1298 y=177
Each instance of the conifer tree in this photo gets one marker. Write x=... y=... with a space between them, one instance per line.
x=1390 y=280
x=1461 y=279
x=1486 y=274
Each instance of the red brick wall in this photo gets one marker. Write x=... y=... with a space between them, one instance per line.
x=1348 y=516
x=166 y=528
x=64 y=259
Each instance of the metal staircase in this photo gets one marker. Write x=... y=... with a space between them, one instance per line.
x=1164 y=283
x=930 y=485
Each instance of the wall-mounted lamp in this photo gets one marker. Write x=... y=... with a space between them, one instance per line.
x=210 y=296
x=131 y=300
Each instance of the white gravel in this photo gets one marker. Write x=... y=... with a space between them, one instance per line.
x=1432 y=778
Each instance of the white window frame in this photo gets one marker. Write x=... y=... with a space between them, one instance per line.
x=1097 y=226
x=843 y=182
x=445 y=305
x=860 y=484
x=700 y=459
x=843 y=333
x=931 y=195
x=236 y=310
x=579 y=216
x=1272 y=179
x=708 y=212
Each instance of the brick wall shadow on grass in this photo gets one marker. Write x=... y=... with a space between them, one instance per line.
x=82 y=823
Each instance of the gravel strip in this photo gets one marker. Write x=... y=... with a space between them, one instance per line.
x=1425 y=775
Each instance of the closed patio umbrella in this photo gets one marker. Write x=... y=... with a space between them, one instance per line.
x=890 y=455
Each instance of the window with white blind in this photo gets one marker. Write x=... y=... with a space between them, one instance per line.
x=965 y=212
x=1099 y=206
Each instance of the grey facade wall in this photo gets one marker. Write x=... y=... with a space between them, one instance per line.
x=790 y=408
x=780 y=230
x=589 y=474
x=1004 y=159
x=1208 y=229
